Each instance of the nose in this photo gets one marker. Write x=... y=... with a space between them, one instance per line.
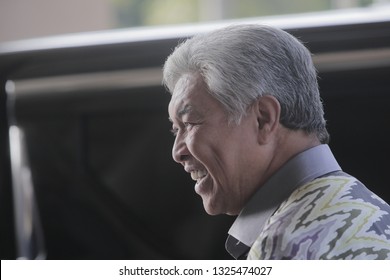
x=180 y=152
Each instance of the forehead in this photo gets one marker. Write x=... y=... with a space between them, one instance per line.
x=190 y=95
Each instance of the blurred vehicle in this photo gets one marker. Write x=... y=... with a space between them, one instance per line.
x=86 y=168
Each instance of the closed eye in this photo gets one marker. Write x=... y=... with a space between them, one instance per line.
x=188 y=125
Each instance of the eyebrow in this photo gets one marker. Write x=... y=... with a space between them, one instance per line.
x=187 y=108
x=183 y=111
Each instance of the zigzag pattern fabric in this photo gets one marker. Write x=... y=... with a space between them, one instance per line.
x=333 y=217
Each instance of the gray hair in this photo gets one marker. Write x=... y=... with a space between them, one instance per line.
x=241 y=63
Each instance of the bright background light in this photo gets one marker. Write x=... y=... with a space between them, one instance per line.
x=23 y=19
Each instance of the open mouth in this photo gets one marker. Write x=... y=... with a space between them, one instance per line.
x=198 y=175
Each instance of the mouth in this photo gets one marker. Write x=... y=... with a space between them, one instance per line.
x=198 y=175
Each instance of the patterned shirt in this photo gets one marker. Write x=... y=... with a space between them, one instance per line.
x=310 y=209
x=334 y=217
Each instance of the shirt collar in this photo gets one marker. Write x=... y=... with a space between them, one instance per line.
x=299 y=170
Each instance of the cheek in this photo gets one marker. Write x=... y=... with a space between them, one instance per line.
x=211 y=152
x=201 y=144
x=195 y=143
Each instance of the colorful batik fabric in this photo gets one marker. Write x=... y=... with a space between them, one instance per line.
x=333 y=217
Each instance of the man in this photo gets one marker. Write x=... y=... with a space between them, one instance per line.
x=249 y=128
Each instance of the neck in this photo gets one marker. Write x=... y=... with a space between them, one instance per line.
x=288 y=144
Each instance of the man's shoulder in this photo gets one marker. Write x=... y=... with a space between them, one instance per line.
x=334 y=216
x=332 y=192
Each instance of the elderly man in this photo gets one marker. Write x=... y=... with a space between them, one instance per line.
x=249 y=128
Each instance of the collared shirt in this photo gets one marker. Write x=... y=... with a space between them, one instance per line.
x=332 y=217
x=299 y=170
x=310 y=209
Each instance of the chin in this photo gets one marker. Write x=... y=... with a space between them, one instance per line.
x=214 y=210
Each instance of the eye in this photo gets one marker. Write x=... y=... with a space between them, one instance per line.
x=188 y=125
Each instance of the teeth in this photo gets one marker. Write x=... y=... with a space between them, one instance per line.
x=198 y=174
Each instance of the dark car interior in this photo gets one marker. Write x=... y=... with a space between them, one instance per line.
x=86 y=142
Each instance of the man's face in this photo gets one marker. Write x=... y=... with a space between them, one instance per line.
x=219 y=155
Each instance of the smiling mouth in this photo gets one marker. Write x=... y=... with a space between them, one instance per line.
x=198 y=175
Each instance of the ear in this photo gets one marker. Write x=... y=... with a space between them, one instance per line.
x=268 y=115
